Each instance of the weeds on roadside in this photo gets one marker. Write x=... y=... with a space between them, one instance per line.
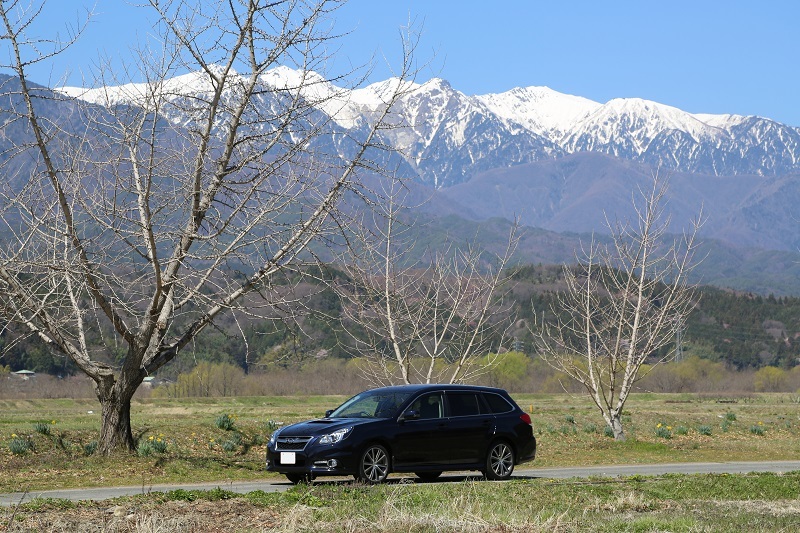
x=758 y=429
x=704 y=430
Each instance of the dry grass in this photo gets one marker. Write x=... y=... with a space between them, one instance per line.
x=673 y=503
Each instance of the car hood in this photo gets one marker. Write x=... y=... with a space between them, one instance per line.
x=323 y=426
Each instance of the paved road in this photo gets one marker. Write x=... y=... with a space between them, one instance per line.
x=276 y=485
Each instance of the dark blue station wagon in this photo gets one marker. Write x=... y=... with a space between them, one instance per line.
x=425 y=429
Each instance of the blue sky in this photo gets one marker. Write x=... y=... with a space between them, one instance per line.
x=702 y=56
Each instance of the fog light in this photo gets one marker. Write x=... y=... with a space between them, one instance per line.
x=333 y=463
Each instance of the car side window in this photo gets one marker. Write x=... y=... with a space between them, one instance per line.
x=429 y=406
x=463 y=403
x=497 y=404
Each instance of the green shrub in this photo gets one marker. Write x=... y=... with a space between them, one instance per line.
x=608 y=432
x=159 y=445
x=569 y=419
x=89 y=449
x=681 y=430
x=20 y=445
x=233 y=442
x=730 y=416
x=590 y=428
x=758 y=429
x=704 y=430
x=567 y=429
x=152 y=445
x=225 y=422
x=144 y=449
x=42 y=428
x=61 y=442
x=664 y=432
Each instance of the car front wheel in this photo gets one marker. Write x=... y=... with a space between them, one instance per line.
x=499 y=461
x=374 y=464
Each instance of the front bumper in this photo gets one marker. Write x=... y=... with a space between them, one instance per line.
x=315 y=459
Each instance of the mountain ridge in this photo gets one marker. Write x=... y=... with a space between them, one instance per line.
x=530 y=124
x=564 y=163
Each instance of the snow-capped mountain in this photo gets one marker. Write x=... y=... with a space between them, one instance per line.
x=553 y=161
x=540 y=109
x=447 y=137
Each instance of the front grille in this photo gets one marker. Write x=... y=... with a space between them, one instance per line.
x=291 y=444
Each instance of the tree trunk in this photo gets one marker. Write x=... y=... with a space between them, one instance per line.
x=115 y=429
x=616 y=427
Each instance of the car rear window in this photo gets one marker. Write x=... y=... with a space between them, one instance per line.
x=497 y=404
x=463 y=403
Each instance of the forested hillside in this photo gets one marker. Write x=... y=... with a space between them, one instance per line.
x=741 y=330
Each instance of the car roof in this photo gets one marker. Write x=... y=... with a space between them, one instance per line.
x=437 y=386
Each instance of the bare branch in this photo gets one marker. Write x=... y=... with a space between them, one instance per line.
x=622 y=304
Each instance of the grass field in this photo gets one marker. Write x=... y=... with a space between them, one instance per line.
x=184 y=440
x=754 y=502
x=223 y=439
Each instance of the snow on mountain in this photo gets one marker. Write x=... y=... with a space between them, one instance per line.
x=720 y=121
x=539 y=109
x=193 y=83
x=625 y=127
x=448 y=136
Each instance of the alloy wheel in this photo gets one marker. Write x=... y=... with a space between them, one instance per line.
x=500 y=462
x=374 y=464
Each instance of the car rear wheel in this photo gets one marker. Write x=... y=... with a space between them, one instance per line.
x=427 y=476
x=374 y=464
x=299 y=478
x=499 y=461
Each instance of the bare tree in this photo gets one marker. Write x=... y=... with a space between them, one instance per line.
x=622 y=303
x=138 y=216
x=422 y=316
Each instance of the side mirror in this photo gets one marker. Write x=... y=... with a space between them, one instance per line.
x=328 y=413
x=410 y=415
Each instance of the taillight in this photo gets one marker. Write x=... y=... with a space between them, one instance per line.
x=525 y=417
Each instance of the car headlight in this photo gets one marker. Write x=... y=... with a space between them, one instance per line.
x=336 y=436
x=273 y=437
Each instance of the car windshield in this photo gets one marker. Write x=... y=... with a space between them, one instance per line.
x=371 y=404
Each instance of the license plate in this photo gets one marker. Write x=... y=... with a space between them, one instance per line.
x=288 y=458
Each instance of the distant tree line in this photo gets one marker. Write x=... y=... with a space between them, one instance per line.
x=742 y=331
